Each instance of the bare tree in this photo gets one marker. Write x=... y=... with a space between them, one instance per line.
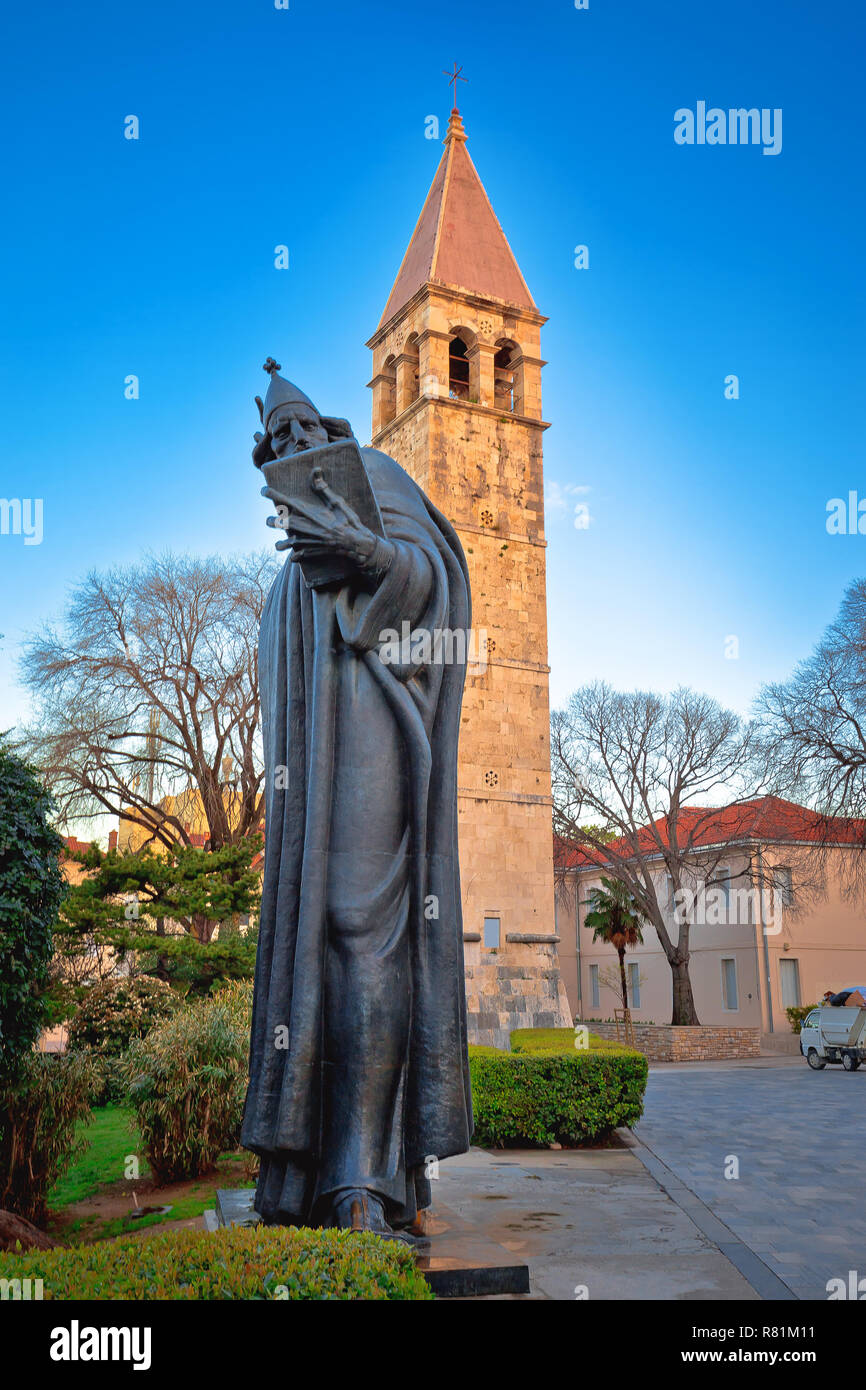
x=653 y=770
x=813 y=733
x=147 y=702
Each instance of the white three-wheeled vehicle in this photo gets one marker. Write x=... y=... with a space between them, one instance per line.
x=832 y=1034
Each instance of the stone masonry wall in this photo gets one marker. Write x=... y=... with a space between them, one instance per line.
x=517 y=988
x=664 y=1043
x=482 y=467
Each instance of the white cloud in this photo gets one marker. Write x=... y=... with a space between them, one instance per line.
x=556 y=495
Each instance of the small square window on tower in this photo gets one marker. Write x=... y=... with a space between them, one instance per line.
x=492 y=933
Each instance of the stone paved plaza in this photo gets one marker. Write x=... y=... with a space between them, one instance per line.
x=590 y=1223
x=657 y=1219
x=799 y=1203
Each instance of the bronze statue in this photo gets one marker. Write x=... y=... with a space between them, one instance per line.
x=359 y=1075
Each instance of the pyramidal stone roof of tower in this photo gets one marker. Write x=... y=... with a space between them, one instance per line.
x=458 y=240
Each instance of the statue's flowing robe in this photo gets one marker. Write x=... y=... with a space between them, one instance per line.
x=358 y=1063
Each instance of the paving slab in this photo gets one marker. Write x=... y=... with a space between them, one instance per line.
x=590 y=1223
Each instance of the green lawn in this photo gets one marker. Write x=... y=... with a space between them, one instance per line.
x=559 y=1040
x=548 y=1040
x=112 y=1136
x=201 y=1199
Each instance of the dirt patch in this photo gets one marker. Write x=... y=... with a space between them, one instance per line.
x=97 y=1217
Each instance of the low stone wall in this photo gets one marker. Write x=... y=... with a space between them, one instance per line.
x=706 y=1043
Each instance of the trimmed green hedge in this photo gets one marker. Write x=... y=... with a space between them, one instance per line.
x=555 y=1096
x=274 y=1262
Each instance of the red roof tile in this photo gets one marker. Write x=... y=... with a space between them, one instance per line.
x=74 y=846
x=766 y=818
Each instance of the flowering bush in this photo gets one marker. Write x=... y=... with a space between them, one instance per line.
x=119 y=1009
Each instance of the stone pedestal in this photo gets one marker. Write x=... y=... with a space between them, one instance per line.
x=234 y=1207
x=518 y=986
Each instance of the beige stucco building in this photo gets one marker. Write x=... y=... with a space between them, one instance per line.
x=751 y=954
x=457 y=401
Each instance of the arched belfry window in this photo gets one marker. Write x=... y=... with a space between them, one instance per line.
x=458 y=370
x=411 y=350
x=389 y=389
x=408 y=380
x=508 y=377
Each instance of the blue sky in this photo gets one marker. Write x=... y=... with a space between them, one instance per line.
x=306 y=127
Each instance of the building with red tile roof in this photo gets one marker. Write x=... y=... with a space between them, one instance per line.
x=752 y=955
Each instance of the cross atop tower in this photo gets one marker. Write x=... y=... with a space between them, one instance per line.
x=453 y=78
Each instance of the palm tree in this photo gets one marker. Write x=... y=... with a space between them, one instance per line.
x=615 y=919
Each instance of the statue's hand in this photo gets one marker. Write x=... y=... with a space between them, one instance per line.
x=262 y=453
x=335 y=527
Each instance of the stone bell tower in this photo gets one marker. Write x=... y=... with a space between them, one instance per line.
x=457 y=401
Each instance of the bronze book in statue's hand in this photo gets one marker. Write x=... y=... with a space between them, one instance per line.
x=344 y=470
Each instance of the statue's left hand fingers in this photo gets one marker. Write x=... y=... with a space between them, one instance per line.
x=274 y=496
x=310 y=552
x=311 y=528
x=316 y=516
x=298 y=516
x=305 y=546
x=334 y=500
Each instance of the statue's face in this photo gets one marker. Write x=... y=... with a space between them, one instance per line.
x=295 y=427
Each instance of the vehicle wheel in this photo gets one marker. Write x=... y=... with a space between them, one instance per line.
x=850 y=1063
x=815 y=1062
